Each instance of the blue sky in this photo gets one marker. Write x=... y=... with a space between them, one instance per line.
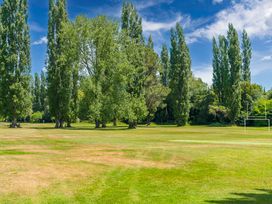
x=201 y=19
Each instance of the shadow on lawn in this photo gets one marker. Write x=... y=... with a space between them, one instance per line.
x=263 y=197
x=83 y=128
x=110 y=128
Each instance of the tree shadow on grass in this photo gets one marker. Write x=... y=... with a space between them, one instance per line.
x=119 y=128
x=263 y=196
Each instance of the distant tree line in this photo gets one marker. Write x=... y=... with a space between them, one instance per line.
x=104 y=71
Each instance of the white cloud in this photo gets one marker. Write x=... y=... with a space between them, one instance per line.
x=253 y=15
x=217 y=1
x=150 y=3
x=267 y=58
x=41 y=41
x=261 y=62
x=35 y=27
x=204 y=72
x=157 y=26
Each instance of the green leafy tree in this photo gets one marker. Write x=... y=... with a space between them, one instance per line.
x=199 y=93
x=135 y=107
x=180 y=73
x=246 y=55
x=235 y=61
x=155 y=91
x=250 y=94
x=104 y=65
x=15 y=63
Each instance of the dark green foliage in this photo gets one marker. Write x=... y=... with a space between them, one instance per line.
x=163 y=113
x=179 y=76
x=199 y=92
x=155 y=91
x=135 y=107
x=15 y=60
x=165 y=65
x=218 y=114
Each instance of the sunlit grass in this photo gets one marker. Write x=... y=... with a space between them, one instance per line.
x=40 y=164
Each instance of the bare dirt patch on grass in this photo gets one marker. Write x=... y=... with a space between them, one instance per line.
x=28 y=174
x=113 y=156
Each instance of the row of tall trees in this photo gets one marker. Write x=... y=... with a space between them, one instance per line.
x=101 y=71
x=231 y=73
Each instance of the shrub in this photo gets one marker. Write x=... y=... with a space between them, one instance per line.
x=36 y=117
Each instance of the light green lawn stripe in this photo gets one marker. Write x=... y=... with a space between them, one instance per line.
x=222 y=142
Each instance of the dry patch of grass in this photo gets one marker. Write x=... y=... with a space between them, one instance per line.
x=29 y=173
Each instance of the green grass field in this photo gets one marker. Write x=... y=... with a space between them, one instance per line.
x=198 y=164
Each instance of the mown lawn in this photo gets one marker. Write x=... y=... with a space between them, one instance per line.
x=159 y=164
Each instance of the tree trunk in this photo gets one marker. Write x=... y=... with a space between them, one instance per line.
x=114 y=122
x=148 y=120
x=104 y=124
x=97 y=124
x=57 y=124
x=132 y=125
x=61 y=124
x=69 y=124
x=14 y=123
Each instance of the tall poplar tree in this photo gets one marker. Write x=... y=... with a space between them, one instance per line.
x=150 y=43
x=180 y=75
x=37 y=93
x=224 y=70
x=133 y=46
x=132 y=22
x=217 y=75
x=235 y=61
x=15 y=63
x=221 y=70
x=246 y=55
x=43 y=93
x=1 y=60
x=165 y=65
x=164 y=111
x=59 y=72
